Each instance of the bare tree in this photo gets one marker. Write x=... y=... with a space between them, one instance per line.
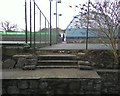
x=105 y=18
x=8 y=27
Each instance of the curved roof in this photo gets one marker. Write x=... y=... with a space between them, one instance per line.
x=80 y=33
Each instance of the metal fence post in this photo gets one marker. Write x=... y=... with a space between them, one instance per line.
x=34 y=25
x=30 y=25
x=26 y=22
x=50 y=25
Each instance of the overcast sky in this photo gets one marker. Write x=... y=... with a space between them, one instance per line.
x=13 y=11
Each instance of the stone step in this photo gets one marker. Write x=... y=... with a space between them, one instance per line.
x=81 y=62
x=57 y=62
x=82 y=53
x=57 y=66
x=53 y=61
x=82 y=67
x=27 y=56
x=57 y=57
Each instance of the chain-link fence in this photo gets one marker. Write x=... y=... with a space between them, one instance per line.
x=34 y=27
x=40 y=35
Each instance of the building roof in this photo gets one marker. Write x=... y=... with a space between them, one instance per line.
x=80 y=33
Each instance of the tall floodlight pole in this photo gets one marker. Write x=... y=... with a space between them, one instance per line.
x=57 y=25
x=26 y=22
x=40 y=26
x=57 y=1
x=56 y=22
x=30 y=25
x=34 y=24
x=87 y=27
x=59 y=20
x=50 y=24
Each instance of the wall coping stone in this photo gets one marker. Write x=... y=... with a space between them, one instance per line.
x=108 y=70
x=49 y=73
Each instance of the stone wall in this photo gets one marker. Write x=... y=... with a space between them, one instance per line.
x=52 y=86
x=109 y=83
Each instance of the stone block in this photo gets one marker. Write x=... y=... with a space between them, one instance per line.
x=33 y=84
x=87 y=88
x=84 y=82
x=23 y=84
x=31 y=62
x=90 y=83
x=31 y=92
x=97 y=87
x=21 y=62
x=74 y=86
x=113 y=90
x=3 y=91
x=11 y=82
x=30 y=65
x=43 y=85
x=58 y=91
x=62 y=86
x=108 y=84
x=104 y=90
x=12 y=90
x=8 y=64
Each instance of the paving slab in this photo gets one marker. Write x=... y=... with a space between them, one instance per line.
x=78 y=46
x=48 y=73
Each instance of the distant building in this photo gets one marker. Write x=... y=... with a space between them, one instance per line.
x=76 y=32
x=79 y=35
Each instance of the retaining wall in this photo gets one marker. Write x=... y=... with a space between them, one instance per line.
x=109 y=83
x=52 y=86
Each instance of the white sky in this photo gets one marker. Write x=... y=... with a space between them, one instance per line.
x=13 y=11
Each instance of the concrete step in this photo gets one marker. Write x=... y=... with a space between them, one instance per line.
x=81 y=62
x=54 y=61
x=27 y=56
x=57 y=66
x=57 y=57
x=57 y=62
x=81 y=53
x=83 y=67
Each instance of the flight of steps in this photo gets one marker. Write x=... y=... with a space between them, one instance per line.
x=55 y=61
